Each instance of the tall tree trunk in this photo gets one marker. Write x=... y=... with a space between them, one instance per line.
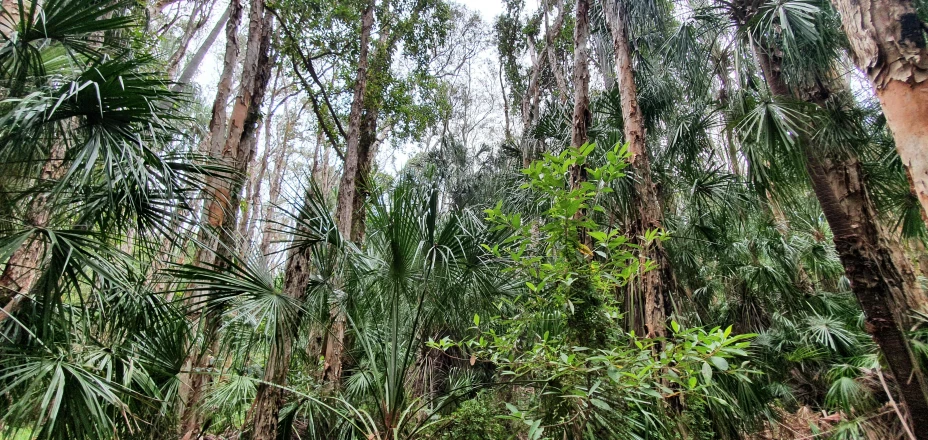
x=348 y=191
x=195 y=21
x=550 y=33
x=649 y=317
x=265 y=410
x=502 y=85
x=580 y=122
x=253 y=191
x=192 y=394
x=581 y=118
x=888 y=43
x=530 y=101
x=190 y=69
x=234 y=144
x=880 y=276
x=276 y=181
x=25 y=263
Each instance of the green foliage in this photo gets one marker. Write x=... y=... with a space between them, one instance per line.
x=562 y=335
x=473 y=419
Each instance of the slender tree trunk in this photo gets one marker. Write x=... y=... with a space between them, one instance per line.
x=550 y=33
x=347 y=186
x=197 y=362
x=190 y=69
x=348 y=191
x=880 y=276
x=265 y=410
x=235 y=149
x=354 y=189
x=197 y=19
x=253 y=191
x=25 y=263
x=652 y=286
x=502 y=86
x=276 y=181
x=888 y=43
x=530 y=103
x=581 y=118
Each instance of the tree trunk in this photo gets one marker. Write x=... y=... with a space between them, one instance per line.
x=581 y=118
x=648 y=318
x=276 y=182
x=880 y=276
x=530 y=103
x=25 y=263
x=250 y=216
x=195 y=21
x=888 y=43
x=190 y=69
x=235 y=150
x=265 y=410
x=193 y=393
x=348 y=190
x=550 y=33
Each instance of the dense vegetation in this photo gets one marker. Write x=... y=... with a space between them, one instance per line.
x=399 y=219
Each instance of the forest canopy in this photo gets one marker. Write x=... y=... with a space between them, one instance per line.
x=418 y=219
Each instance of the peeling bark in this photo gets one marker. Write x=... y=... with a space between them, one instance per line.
x=652 y=286
x=348 y=189
x=233 y=141
x=881 y=278
x=887 y=42
x=581 y=118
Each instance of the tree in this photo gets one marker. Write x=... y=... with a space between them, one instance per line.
x=88 y=148
x=232 y=141
x=887 y=40
x=880 y=277
x=654 y=285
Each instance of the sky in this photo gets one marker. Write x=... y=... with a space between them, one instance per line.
x=393 y=158
x=488 y=8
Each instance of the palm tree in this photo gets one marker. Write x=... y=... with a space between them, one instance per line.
x=880 y=277
x=93 y=175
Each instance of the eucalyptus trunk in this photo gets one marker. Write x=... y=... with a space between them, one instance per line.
x=887 y=42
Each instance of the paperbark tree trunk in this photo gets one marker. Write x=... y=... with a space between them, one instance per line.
x=276 y=182
x=581 y=116
x=348 y=190
x=649 y=317
x=887 y=42
x=265 y=410
x=530 y=102
x=550 y=33
x=233 y=143
x=881 y=278
x=255 y=183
